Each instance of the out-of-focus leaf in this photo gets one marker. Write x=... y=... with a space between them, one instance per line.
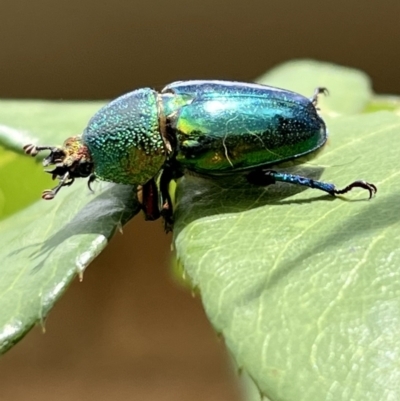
x=45 y=246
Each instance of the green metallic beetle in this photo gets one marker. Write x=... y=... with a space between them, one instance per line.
x=213 y=128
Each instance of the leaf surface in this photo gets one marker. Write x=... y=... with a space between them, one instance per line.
x=305 y=287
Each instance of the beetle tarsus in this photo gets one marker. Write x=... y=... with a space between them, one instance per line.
x=320 y=90
x=371 y=188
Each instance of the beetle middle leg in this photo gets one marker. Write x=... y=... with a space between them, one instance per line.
x=268 y=177
x=155 y=199
x=318 y=91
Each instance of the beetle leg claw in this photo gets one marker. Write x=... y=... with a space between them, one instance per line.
x=371 y=188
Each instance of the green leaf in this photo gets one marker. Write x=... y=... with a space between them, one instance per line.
x=21 y=181
x=304 y=287
x=45 y=246
x=382 y=102
x=349 y=89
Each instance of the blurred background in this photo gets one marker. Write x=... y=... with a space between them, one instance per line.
x=129 y=332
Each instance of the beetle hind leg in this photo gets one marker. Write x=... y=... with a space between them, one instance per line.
x=268 y=177
x=320 y=90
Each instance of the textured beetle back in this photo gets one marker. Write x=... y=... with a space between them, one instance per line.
x=124 y=139
x=233 y=126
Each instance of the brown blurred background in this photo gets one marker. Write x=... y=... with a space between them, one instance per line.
x=128 y=332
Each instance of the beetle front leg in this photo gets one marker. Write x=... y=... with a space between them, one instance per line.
x=91 y=180
x=268 y=177
x=65 y=181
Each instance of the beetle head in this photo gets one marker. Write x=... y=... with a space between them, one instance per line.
x=72 y=160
